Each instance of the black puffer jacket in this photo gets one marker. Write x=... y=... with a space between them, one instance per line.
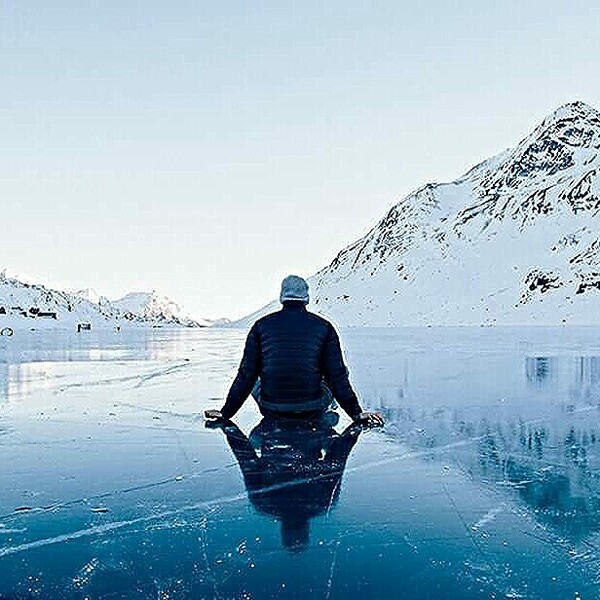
x=292 y=351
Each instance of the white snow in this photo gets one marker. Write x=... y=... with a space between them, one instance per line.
x=514 y=241
x=26 y=306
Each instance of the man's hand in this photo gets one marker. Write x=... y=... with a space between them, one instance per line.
x=213 y=415
x=372 y=419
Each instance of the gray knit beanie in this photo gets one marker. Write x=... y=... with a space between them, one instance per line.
x=294 y=288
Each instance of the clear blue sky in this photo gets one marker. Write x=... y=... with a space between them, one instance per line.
x=206 y=149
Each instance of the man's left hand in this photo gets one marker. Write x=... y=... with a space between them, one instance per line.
x=213 y=415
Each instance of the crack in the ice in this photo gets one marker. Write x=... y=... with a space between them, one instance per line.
x=158 y=411
x=101 y=529
x=142 y=379
x=332 y=497
x=229 y=499
x=96 y=382
x=162 y=373
x=209 y=570
x=112 y=493
x=336 y=546
x=467 y=528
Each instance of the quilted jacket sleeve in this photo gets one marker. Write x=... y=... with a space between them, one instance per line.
x=246 y=377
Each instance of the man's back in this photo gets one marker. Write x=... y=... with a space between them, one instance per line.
x=293 y=352
x=292 y=343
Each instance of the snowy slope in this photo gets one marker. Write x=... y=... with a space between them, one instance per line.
x=516 y=240
x=25 y=305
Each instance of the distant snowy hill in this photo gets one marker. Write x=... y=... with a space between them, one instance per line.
x=154 y=308
x=87 y=294
x=516 y=240
x=35 y=306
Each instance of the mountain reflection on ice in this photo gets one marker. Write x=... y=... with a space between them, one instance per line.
x=483 y=484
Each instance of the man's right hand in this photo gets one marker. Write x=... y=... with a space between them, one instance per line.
x=372 y=419
x=213 y=415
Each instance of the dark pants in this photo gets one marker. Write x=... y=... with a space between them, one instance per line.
x=326 y=395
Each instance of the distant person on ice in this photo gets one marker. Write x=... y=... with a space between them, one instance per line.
x=293 y=365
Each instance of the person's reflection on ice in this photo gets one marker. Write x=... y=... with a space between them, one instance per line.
x=292 y=469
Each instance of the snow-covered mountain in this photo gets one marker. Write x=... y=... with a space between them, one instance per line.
x=36 y=306
x=516 y=240
x=155 y=308
x=87 y=294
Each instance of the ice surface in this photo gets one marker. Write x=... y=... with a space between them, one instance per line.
x=483 y=484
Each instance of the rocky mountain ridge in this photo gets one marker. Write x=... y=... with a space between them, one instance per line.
x=36 y=306
x=514 y=241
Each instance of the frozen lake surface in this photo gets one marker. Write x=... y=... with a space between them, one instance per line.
x=483 y=484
